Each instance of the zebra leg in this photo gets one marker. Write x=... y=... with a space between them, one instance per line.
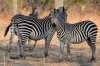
x=29 y=40
x=11 y=39
x=21 y=48
x=91 y=42
x=33 y=47
x=21 y=52
x=34 y=44
x=68 y=50
x=61 y=49
x=20 y=43
x=10 y=42
x=47 y=44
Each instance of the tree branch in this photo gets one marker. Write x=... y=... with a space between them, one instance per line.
x=45 y=5
x=37 y=3
x=31 y=4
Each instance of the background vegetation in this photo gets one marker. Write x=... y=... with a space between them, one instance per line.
x=8 y=4
x=78 y=10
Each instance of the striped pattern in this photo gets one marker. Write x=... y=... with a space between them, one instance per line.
x=34 y=29
x=18 y=17
x=75 y=33
x=13 y=31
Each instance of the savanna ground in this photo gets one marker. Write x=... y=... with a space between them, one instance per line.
x=80 y=53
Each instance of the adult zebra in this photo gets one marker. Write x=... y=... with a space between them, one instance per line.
x=34 y=29
x=74 y=33
x=34 y=14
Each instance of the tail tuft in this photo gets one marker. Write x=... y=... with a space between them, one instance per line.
x=7 y=29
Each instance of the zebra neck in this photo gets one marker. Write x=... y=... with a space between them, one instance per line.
x=60 y=29
x=46 y=19
x=63 y=27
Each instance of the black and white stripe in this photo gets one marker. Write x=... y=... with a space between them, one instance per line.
x=19 y=17
x=34 y=29
x=74 y=33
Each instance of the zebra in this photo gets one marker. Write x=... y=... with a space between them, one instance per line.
x=74 y=33
x=34 y=14
x=34 y=29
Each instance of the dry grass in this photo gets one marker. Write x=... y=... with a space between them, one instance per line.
x=80 y=53
x=80 y=56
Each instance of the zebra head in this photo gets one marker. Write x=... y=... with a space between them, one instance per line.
x=63 y=12
x=58 y=16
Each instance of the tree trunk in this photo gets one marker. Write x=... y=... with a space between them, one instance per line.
x=38 y=7
x=14 y=7
x=45 y=5
x=59 y=3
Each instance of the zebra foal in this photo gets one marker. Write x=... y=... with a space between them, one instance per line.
x=74 y=33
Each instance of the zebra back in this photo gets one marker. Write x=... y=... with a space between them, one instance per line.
x=19 y=17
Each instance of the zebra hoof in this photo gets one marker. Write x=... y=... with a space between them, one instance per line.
x=46 y=54
x=92 y=59
x=22 y=56
x=67 y=58
x=31 y=49
x=8 y=51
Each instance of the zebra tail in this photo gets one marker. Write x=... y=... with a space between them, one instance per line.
x=7 y=29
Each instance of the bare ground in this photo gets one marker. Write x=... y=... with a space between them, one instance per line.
x=80 y=55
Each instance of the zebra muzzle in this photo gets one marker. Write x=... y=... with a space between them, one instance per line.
x=54 y=25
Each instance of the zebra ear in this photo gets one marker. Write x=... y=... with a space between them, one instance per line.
x=51 y=13
x=54 y=10
x=64 y=9
x=61 y=9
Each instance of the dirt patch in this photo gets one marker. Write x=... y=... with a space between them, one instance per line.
x=79 y=54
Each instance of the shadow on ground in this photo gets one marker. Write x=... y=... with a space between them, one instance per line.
x=36 y=57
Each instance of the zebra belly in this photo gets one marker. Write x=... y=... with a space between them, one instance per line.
x=78 y=36
x=33 y=36
x=77 y=41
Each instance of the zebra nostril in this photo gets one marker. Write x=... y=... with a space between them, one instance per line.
x=53 y=25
